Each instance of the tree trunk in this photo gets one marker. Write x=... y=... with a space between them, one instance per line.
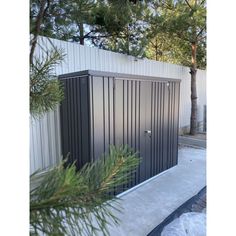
x=36 y=31
x=193 y=72
x=81 y=33
x=156 y=49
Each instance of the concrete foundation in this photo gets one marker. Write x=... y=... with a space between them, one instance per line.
x=149 y=204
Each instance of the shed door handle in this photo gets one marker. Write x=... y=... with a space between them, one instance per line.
x=148 y=131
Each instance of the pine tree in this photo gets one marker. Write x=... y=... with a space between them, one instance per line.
x=185 y=22
x=97 y=22
x=45 y=90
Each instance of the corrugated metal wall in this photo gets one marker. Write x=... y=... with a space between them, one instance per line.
x=80 y=57
x=45 y=141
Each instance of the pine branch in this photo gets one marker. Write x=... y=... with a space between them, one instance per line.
x=45 y=89
x=68 y=202
x=188 y=4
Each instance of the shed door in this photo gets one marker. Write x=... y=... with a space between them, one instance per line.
x=141 y=121
x=154 y=111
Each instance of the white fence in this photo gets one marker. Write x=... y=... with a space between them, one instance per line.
x=45 y=147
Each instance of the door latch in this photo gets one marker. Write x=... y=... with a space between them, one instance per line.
x=149 y=132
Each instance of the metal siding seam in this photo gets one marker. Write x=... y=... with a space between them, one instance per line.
x=165 y=150
x=62 y=119
x=162 y=126
x=155 y=130
x=50 y=152
x=92 y=117
x=139 y=129
x=75 y=100
x=178 y=120
x=67 y=120
x=111 y=89
x=128 y=117
x=80 y=124
x=58 y=135
x=171 y=133
x=135 y=125
x=158 y=153
x=42 y=143
x=157 y=139
x=123 y=107
x=131 y=118
x=174 y=125
x=114 y=111
x=151 y=143
x=109 y=114
x=127 y=112
x=70 y=122
x=104 y=128
x=169 y=127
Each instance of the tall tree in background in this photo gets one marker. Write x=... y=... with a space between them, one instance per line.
x=114 y=25
x=131 y=38
x=184 y=23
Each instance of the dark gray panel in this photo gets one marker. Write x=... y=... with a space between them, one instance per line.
x=84 y=111
x=148 y=127
x=165 y=127
x=106 y=117
x=111 y=109
x=176 y=123
x=142 y=126
x=119 y=117
x=74 y=122
x=98 y=116
x=137 y=123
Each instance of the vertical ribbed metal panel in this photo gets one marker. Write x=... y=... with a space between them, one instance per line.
x=74 y=120
x=45 y=143
x=140 y=106
x=101 y=119
x=102 y=110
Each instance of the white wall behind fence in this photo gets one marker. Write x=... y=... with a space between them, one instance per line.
x=46 y=132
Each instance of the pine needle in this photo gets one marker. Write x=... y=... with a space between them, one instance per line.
x=71 y=202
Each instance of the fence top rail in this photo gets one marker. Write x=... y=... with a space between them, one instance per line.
x=115 y=75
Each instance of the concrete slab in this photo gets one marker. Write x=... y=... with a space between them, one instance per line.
x=148 y=205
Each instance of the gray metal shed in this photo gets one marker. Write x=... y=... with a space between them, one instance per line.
x=103 y=108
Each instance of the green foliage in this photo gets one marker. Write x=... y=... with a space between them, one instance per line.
x=114 y=25
x=130 y=27
x=69 y=202
x=176 y=25
x=131 y=38
x=174 y=50
x=45 y=90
